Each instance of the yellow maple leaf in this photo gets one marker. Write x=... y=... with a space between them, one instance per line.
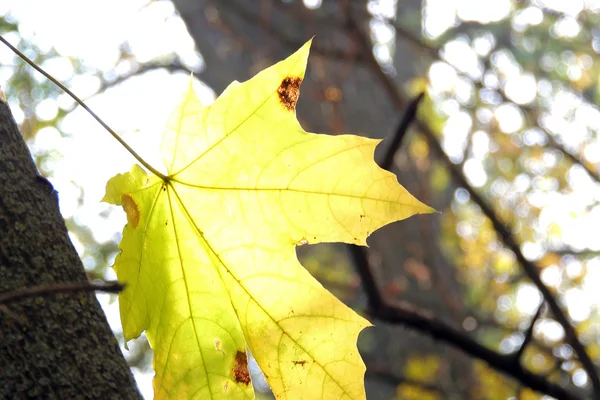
x=208 y=252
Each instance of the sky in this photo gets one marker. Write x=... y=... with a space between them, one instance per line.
x=89 y=156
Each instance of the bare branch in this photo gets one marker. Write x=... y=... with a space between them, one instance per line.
x=407 y=119
x=435 y=53
x=529 y=267
x=402 y=313
x=142 y=69
x=576 y=252
x=528 y=335
x=58 y=288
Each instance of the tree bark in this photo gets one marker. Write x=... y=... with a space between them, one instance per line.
x=57 y=346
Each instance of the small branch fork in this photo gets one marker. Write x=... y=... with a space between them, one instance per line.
x=529 y=334
x=402 y=313
x=13 y=296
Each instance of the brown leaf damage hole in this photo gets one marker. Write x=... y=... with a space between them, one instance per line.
x=131 y=209
x=289 y=91
x=240 y=370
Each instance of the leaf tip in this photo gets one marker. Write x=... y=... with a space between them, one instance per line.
x=429 y=210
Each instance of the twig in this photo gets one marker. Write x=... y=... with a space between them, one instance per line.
x=407 y=119
x=407 y=315
x=575 y=159
x=529 y=267
x=86 y=108
x=528 y=335
x=402 y=313
x=435 y=53
x=142 y=69
x=576 y=252
x=48 y=290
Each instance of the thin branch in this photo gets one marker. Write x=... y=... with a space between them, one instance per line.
x=142 y=69
x=576 y=252
x=409 y=115
x=575 y=159
x=542 y=348
x=59 y=288
x=530 y=268
x=402 y=313
x=528 y=335
x=435 y=53
x=85 y=107
x=408 y=315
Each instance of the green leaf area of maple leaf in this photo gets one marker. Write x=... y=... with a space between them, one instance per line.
x=208 y=254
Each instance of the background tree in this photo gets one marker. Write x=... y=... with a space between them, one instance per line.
x=505 y=146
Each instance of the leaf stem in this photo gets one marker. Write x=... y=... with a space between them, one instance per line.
x=85 y=107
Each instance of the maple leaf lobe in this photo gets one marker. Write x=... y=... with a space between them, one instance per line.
x=289 y=91
x=240 y=370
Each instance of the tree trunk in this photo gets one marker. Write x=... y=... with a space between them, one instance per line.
x=55 y=346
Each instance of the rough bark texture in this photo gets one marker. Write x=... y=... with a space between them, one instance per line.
x=54 y=347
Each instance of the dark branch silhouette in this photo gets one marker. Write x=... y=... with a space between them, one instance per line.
x=435 y=53
x=528 y=334
x=530 y=268
x=402 y=313
x=397 y=139
x=408 y=315
x=58 y=288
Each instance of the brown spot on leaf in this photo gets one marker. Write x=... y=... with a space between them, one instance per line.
x=131 y=209
x=240 y=370
x=300 y=362
x=289 y=91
